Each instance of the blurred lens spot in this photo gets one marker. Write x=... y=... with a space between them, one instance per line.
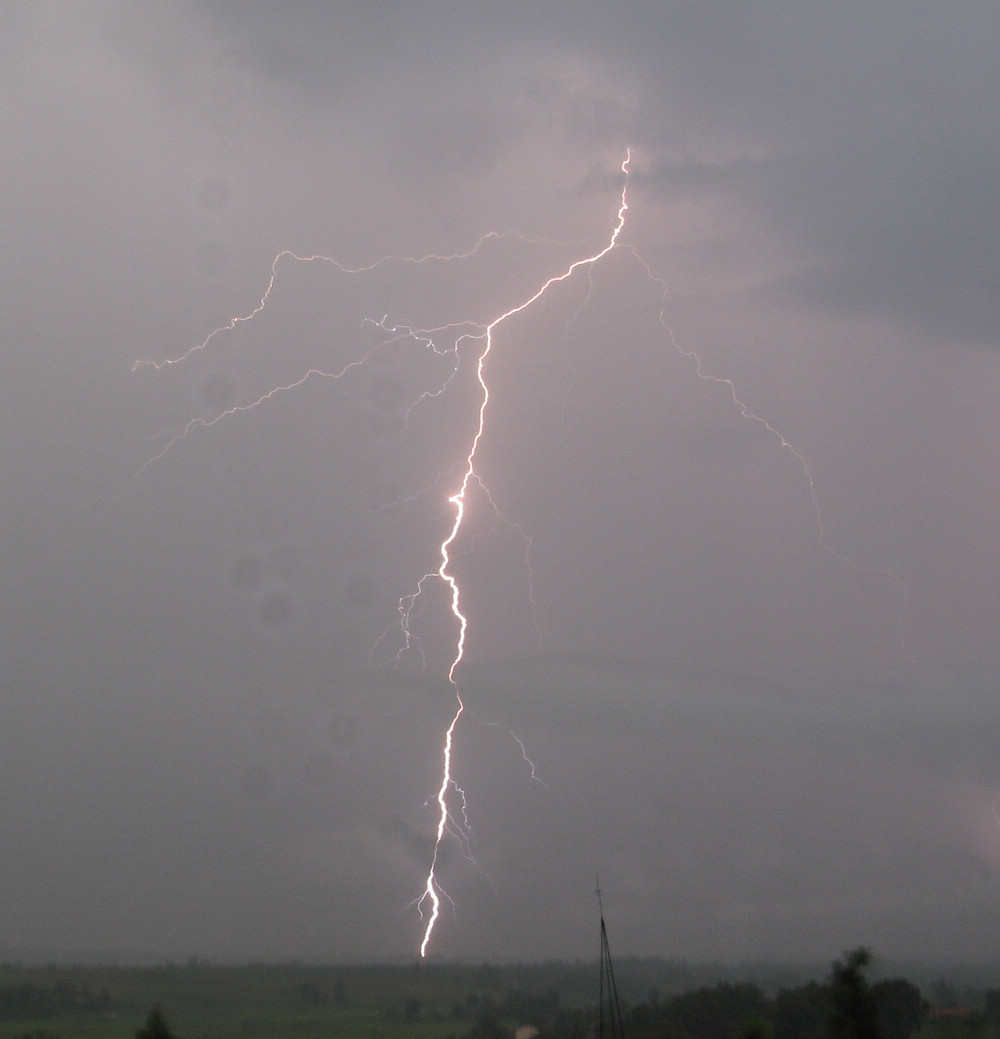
x=332 y=688
x=385 y=393
x=214 y=193
x=256 y=782
x=217 y=391
x=272 y=726
x=343 y=731
x=359 y=591
x=275 y=610
x=248 y=571
x=362 y=422
x=320 y=768
x=212 y=257
x=283 y=560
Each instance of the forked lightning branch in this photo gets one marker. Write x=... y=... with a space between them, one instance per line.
x=448 y=801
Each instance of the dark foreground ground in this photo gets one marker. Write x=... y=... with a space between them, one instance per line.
x=420 y=1001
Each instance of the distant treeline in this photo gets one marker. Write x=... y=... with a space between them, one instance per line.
x=439 y=1001
x=742 y=1011
x=28 y=999
x=842 y=1006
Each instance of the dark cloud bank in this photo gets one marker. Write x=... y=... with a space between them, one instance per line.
x=759 y=686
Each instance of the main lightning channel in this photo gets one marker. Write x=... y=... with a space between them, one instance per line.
x=451 y=813
x=432 y=895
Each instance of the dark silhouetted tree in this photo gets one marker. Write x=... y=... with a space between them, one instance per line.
x=156 y=1026
x=707 y=1013
x=852 y=1006
x=991 y=1011
x=802 y=1013
x=900 y=1008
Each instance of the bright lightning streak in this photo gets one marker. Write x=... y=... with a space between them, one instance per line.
x=242 y=319
x=198 y=423
x=453 y=821
x=431 y=897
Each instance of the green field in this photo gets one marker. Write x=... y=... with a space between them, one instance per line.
x=454 y=1001
x=304 y=1002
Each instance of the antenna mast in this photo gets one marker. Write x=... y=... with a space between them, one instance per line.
x=609 y=1012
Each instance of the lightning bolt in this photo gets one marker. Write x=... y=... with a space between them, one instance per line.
x=449 y=801
x=432 y=895
x=431 y=898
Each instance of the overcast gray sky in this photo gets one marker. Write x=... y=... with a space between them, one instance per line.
x=759 y=679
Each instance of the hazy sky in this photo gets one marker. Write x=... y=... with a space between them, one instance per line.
x=758 y=682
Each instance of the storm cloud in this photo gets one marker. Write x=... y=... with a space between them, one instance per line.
x=746 y=671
